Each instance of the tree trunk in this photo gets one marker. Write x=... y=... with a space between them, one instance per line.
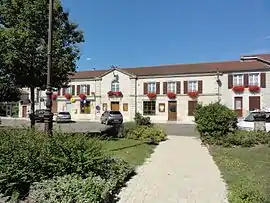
x=32 y=96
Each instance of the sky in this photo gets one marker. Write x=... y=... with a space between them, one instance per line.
x=135 y=33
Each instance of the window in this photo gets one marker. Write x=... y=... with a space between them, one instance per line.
x=151 y=87
x=104 y=106
x=125 y=107
x=85 y=107
x=171 y=87
x=149 y=108
x=83 y=89
x=68 y=90
x=238 y=80
x=115 y=86
x=192 y=86
x=253 y=79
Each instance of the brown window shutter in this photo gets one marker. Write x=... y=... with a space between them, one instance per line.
x=191 y=107
x=157 y=87
x=178 y=87
x=185 y=87
x=165 y=87
x=145 y=88
x=73 y=89
x=263 y=80
x=88 y=89
x=63 y=91
x=245 y=80
x=78 y=89
x=200 y=86
x=230 y=81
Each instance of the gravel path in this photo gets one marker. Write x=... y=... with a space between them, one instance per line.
x=180 y=170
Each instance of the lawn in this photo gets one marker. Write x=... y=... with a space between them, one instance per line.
x=246 y=171
x=133 y=151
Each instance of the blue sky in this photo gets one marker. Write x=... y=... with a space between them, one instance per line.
x=153 y=32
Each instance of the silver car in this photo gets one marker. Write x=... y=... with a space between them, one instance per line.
x=63 y=116
x=111 y=117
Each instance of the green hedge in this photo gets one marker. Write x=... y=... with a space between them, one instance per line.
x=240 y=138
x=28 y=156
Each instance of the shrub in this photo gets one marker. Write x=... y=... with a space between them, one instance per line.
x=240 y=138
x=150 y=135
x=215 y=120
x=141 y=120
x=72 y=188
x=27 y=156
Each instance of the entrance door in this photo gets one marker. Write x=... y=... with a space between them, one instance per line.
x=238 y=106
x=254 y=103
x=54 y=106
x=24 y=111
x=115 y=106
x=172 y=110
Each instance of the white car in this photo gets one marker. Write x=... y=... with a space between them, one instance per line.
x=248 y=122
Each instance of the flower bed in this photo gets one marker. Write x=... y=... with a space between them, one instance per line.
x=152 y=95
x=238 y=88
x=115 y=94
x=68 y=96
x=171 y=95
x=254 y=88
x=193 y=94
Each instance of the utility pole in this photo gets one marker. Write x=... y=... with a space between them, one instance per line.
x=48 y=113
x=218 y=85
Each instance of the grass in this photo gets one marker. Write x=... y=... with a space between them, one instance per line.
x=132 y=151
x=246 y=171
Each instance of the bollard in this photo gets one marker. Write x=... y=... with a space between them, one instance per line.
x=259 y=121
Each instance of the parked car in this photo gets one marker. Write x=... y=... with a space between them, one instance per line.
x=111 y=117
x=39 y=115
x=63 y=117
x=248 y=122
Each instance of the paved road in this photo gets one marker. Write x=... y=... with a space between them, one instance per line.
x=170 y=129
x=179 y=171
x=178 y=129
x=65 y=127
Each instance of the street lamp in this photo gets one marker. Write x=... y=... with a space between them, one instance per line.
x=256 y=58
x=48 y=113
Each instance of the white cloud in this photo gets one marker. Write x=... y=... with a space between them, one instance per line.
x=88 y=59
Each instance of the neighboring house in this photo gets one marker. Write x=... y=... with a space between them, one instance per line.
x=151 y=90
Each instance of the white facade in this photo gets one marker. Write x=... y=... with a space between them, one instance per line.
x=135 y=99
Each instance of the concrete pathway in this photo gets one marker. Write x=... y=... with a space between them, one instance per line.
x=180 y=170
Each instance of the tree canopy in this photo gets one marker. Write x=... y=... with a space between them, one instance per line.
x=23 y=42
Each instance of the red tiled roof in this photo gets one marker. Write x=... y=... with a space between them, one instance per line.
x=226 y=66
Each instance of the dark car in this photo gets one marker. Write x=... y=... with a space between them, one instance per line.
x=39 y=115
x=111 y=117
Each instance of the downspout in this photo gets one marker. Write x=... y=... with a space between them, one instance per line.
x=136 y=79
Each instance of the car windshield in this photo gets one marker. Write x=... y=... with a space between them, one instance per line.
x=115 y=112
x=63 y=113
x=250 y=116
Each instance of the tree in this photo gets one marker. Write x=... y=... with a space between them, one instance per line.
x=9 y=92
x=23 y=44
